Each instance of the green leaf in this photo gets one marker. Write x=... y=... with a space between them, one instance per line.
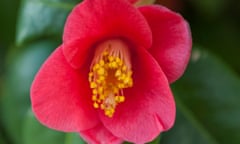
x=155 y=141
x=42 y=18
x=208 y=103
x=2 y=141
x=22 y=66
x=144 y=2
x=209 y=7
x=186 y=130
x=8 y=14
x=35 y=133
x=73 y=138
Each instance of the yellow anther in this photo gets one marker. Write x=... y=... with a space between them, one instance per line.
x=100 y=90
x=109 y=74
x=94 y=91
x=117 y=98
x=118 y=60
x=122 y=77
x=98 y=81
x=121 y=99
x=120 y=85
x=95 y=105
x=90 y=74
x=95 y=67
x=129 y=73
x=130 y=84
x=100 y=71
x=93 y=85
x=120 y=63
x=101 y=62
x=126 y=80
x=110 y=65
x=114 y=64
x=110 y=58
x=115 y=90
x=109 y=112
x=118 y=73
x=101 y=78
x=102 y=97
x=112 y=110
x=94 y=97
x=124 y=68
x=102 y=106
x=99 y=101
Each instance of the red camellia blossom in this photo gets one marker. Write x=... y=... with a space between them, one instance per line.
x=109 y=79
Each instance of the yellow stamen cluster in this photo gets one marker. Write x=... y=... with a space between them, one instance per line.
x=108 y=76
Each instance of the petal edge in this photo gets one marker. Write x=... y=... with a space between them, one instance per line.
x=99 y=135
x=100 y=18
x=59 y=96
x=172 y=40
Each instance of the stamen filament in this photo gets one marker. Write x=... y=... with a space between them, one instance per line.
x=110 y=73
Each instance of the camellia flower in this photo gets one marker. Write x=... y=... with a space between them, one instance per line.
x=109 y=79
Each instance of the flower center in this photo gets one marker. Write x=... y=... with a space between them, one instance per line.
x=110 y=73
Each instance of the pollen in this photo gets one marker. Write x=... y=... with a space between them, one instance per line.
x=110 y=73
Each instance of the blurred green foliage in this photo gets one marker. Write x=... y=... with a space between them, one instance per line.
x=208 y=101
x=8 y=16
x=215 y=26
x=207 y=96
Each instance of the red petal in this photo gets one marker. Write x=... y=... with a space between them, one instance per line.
x=93 y=21
x=149 y=107
x=133 y=1
x=61 y=97
x=171 y=40
x=77 y=52
x=99 y=135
